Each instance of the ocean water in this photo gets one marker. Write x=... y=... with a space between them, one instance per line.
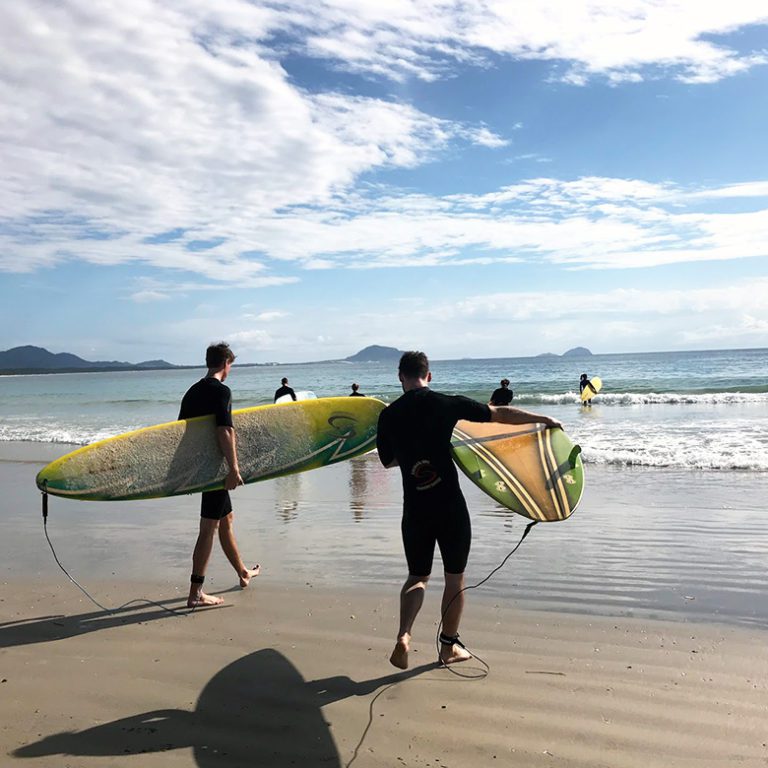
x=681 y=410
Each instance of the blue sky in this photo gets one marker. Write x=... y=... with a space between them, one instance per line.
x=472 y=179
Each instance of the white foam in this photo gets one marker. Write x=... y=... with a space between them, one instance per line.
x=650 y=398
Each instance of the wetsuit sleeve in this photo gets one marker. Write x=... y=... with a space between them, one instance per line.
x=222 y=410
x=470 y=410
x=384 y=441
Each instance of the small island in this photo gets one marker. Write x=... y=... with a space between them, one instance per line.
x=375 y=354
x=574 y=352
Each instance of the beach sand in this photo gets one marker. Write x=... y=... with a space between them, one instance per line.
x=294 y=670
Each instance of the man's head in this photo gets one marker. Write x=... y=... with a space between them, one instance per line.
x=505 y=383
x=283 y=381
x=355 y=387
x=413 y=370
x=219 y=356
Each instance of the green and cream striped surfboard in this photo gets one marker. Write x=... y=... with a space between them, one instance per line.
x=531 y=470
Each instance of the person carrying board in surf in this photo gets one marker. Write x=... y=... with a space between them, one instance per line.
x=585 y=383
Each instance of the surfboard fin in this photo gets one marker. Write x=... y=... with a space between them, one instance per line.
x=575 y=451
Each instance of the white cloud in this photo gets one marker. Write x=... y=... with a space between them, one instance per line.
x=121 y=123
x=268 y=316
x=624 y=40
x=143 y=297
x=125 y=121
x=528 y=323
x=592 y=223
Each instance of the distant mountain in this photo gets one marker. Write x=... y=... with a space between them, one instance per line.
x=29 y=358
x=375 y=354
x=575 y=352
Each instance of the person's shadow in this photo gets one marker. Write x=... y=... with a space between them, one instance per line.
x=42 y=629
x=256 y=711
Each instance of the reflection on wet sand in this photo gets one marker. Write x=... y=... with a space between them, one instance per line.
x=287 y=497
x=358 y=487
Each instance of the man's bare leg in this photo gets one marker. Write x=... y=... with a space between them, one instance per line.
x=452 y=609
x=229 y=545
x=200 y=558
x=411 y=600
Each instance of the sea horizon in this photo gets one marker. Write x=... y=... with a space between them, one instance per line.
x=133 y=367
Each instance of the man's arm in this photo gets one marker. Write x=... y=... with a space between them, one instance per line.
x=384 y=446
x=228 y=444
x=508 y=414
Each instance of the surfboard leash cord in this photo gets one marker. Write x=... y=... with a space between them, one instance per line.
x=439 y=633
x=80 y=586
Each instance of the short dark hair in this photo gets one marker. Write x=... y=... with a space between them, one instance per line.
x=283 y=381
x=414 y=365
x=505 y=382
x=355 y=387
x=218 y=354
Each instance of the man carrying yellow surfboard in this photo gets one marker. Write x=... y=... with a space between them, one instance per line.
x=414 y=433
x=211 y=396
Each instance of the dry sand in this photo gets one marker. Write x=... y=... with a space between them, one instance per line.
x=294 y=670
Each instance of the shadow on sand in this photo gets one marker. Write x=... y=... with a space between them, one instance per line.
x=43 y=629
x=256 y=711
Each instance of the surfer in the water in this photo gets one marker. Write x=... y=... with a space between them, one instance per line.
x=211 y=396
x=503 y=395
x=585 y=383
x=415 y=434
x=356 y=391
x=284 y=390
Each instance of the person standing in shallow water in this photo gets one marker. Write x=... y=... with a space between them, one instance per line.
x=503 y=395
x=284 y=390
x=355 y=391
x=414 y=433
x=585 y=383
x=211 y=396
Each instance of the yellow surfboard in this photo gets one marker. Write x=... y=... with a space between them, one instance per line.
x=597 y=384
x=184 y=456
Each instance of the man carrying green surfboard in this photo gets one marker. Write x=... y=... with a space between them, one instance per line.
x=414 y=433
x=211 y=396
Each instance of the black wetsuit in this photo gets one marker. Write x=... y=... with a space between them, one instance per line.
x=284 y=391
x=356 y=394
x=502 y=396
x=210 y=396
x=416 y=431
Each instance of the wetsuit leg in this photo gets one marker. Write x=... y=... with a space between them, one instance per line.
x=419 y=538
x=454 y=537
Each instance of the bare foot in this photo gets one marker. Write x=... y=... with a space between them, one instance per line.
x=399 y=657
x=201 y=600
x=248 y=574
x=452 y=654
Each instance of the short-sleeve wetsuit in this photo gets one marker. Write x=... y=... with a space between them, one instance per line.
x=416 y=430
x=284 y=391
x=210 y=396
x=502 y=396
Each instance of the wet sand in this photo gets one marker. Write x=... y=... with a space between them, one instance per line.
x=294 y=669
